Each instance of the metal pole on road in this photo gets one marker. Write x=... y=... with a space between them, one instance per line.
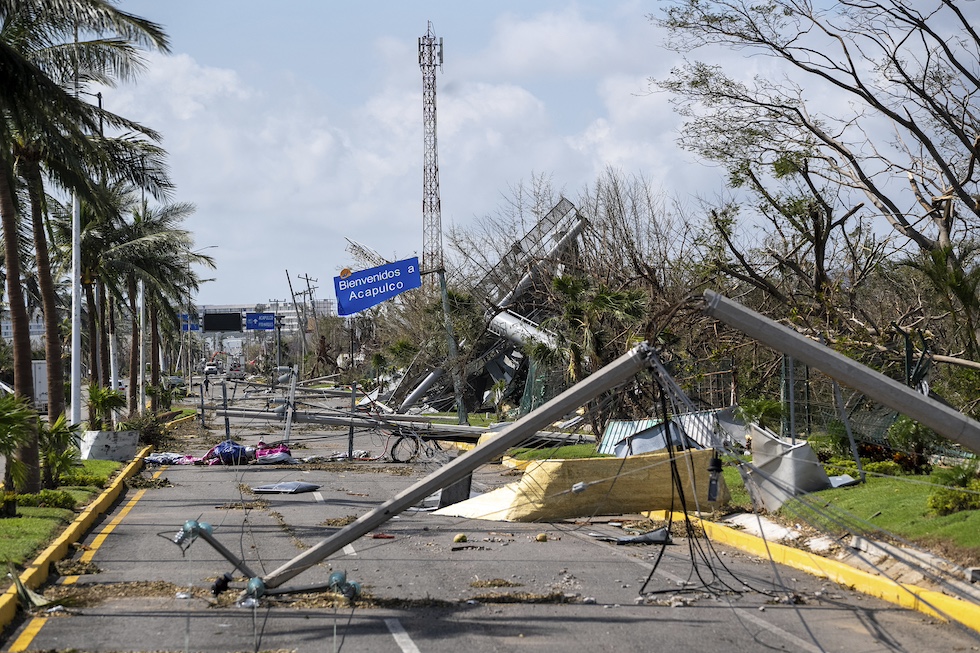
x=612 y=375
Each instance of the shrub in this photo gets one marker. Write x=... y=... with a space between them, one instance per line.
x=767 y=413
x=884 y=468
x=947 y=500
x=48 y=499
x=959 y=489
x=912 y=443
x=152 y=430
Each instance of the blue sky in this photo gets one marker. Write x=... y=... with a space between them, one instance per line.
x=291 y=129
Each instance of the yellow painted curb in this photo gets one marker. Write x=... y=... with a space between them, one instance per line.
x=514 y=463
x=930 y=602
x=179 y=420
x=38 y=570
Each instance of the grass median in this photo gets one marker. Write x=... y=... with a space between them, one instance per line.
x=41 y=517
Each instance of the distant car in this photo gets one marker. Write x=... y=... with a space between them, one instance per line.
x=173 y=381
x=210 y=368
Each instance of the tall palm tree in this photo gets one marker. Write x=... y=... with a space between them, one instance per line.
x=155 y=250
x=34 y=107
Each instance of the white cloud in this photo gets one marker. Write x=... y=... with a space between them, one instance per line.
x=282 y=168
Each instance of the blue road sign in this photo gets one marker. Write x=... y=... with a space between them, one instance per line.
x=359 y=291
x=186 y=324
x=260 y=321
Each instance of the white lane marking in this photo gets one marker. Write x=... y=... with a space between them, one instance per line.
x=779 y=632
x=318 y=497
x=349 y=550
x=404 y=642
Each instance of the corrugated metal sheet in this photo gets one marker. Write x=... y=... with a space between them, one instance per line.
x=699 y=426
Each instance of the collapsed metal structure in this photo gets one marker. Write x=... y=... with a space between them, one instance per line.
x=944 y=420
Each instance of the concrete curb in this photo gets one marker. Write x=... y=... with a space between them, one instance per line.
x=930 y=602
x=180 y=420
x=37 y=572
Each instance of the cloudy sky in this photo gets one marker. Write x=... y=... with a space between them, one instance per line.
x=292 y=128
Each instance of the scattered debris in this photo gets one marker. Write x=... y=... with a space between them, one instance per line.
x=522 y=597
x=253 y=504
x=140 y=482
x=541 y=537
x=286 y=487
x=70 y=567
x=494 y=582
x=339 y=522
x=659 y=536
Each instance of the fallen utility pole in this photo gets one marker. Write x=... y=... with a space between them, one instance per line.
x=424 y=429
x=946 y=421
x=609 y=377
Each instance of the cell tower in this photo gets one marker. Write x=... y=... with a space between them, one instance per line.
x=430 y=56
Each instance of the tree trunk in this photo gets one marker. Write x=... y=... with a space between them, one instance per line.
x=93 y=338
x=49 y=299
x=19 y=322
x=134 y=349
x=154 y=359
x=103 y=334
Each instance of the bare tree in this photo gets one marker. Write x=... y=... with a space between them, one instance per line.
x=861 y=101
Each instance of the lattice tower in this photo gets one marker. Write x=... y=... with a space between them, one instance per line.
x=430 y=56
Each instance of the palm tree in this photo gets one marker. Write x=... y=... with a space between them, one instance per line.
x=593 y=319
x=151 y=249
x=35 y=108
x=17 y=422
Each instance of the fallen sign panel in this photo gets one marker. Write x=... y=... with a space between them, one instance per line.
x=286 y=487
x=565 y=489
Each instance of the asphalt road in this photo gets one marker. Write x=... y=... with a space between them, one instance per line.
x=429 y=592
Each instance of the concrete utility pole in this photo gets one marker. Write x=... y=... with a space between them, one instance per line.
x=612 y=375
x=948 y=422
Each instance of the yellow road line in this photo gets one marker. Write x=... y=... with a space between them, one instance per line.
x=23 y=641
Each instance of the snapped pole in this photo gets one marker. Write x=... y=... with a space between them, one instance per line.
x=946 y=421
x=612 y=375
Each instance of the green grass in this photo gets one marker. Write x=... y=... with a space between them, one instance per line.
x=898 y=504
x=740 y=496
x=23 y=536
x=474 y=419
x=91 y=472
x=891 y=504
x=566 y=452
